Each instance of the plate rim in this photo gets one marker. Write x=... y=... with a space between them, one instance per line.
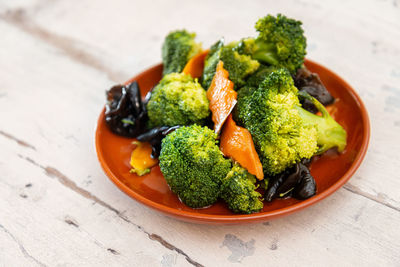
x=243 y=218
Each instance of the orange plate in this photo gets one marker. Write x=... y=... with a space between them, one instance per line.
x=330 y=171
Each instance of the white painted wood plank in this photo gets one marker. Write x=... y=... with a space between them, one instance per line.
x=22 y=4
x=58 y=226
x=11 y=250
x=344 y=229
x=51 y=225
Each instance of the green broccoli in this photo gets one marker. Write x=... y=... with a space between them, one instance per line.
x=330 y=133
x=280 y=42
x=210 y=63
x=177 y=100
x=177 y=49
x=259 y=76
x=193 y=165
x=238 y=191
x=283 y=132
x=236 y=62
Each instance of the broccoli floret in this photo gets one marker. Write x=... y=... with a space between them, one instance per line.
x=259 y=76
x=243 y=92
x=330 y=133
x=269 y=113
x=238 y=191
x=239 y=66
x=282 y=131
x=193 y=165
x=236 y=62
x=177 y=100
x=280 y=42
x=210 y=63
x=177 y=49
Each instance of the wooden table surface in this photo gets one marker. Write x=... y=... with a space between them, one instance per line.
x=57 y=207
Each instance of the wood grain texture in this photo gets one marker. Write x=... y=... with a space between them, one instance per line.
x=57 y=58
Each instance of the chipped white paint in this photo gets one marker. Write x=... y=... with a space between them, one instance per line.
x=58 y=208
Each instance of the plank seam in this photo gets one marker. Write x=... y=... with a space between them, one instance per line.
x=355 y=190
x=69 y=46
x=70 y=184
x=21 y=247
x=19 y=141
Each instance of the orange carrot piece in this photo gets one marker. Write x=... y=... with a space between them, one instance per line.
x=195 y=65
x=236 y=143
x=141 y=160
x=222 y=97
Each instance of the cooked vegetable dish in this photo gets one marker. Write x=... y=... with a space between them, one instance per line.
x=238 y=122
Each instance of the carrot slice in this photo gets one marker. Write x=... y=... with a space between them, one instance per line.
x=222 y=97
x=237 y=143
x=141 y=160
x=195 y=65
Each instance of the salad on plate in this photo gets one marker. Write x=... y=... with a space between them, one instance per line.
x=239 y=121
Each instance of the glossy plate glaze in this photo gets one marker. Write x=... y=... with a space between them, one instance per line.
x=330 y=171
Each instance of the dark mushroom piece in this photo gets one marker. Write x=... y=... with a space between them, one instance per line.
x=290 y=181
x=307 y=186
x=273 y=185
x=135 y=97
x=154 y=137
x=310 y=82
x=147 y=97
x=296 y=182
x=306 y=162
x=125 y=113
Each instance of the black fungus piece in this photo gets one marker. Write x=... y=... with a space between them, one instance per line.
x=154 y=137
x=281 y=184
x=125 y=113
x=310 y=82
x=307 y=186
x=296 y=182
x=135 y=97
x=147 y=97
x=291 y=180
x=273 y=184
x=306 y=162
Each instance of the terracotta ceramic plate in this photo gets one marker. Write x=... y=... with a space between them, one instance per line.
x=331 y=170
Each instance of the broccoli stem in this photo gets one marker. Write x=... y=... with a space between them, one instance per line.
x=330 y=133
x=265 y=52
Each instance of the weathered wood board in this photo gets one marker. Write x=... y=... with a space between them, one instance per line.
x=57 y=207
